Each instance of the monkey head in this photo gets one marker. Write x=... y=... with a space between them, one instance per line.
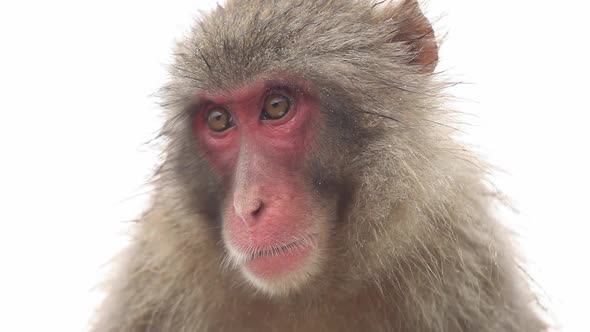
x=275 y=121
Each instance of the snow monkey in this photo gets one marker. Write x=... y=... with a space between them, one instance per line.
x=312 y=181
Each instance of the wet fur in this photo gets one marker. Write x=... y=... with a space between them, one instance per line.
x=414 y=244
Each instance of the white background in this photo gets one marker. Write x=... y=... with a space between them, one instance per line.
x=75 y=112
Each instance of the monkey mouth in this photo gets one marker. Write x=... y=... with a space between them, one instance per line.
x=279 y=260
x=298 y=244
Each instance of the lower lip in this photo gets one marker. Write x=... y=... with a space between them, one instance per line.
x=278 y=264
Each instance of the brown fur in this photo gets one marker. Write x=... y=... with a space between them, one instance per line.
x=414 y=245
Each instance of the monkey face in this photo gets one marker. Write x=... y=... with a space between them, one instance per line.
x=256 y=138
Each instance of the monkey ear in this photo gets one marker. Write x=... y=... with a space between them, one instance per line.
x=414 y=29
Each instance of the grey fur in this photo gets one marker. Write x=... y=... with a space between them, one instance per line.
x=415 y=245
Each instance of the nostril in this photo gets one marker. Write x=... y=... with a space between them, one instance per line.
x=248 y=209
x=258 y=209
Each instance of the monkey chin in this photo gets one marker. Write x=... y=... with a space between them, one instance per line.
x=281 y=269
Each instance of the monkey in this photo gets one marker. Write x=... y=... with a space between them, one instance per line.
x=312 y=180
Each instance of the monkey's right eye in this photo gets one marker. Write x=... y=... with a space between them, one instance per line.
x=218 y=119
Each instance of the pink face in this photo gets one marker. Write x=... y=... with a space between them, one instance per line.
x=256 y=138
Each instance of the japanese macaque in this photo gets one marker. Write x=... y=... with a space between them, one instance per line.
x=311 y=182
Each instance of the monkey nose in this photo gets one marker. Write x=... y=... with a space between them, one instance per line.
x=248 y=209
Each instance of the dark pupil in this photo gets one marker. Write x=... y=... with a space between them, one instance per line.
x=276 y=103
x=217 y=116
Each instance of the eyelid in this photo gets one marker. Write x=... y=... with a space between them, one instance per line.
x=207 y=106
x=280 y=90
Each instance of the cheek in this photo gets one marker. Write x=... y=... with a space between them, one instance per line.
x=219 y=150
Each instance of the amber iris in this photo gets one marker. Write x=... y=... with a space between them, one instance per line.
x=275 y=107
x=218 y=119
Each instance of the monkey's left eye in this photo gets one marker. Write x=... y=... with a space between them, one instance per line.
x=275 y=107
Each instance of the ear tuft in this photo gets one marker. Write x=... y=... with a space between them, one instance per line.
x=413 y=29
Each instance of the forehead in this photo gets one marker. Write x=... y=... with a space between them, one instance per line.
x=249 y=89
x=237 y=46
x=235 y=94
x=246 y=38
